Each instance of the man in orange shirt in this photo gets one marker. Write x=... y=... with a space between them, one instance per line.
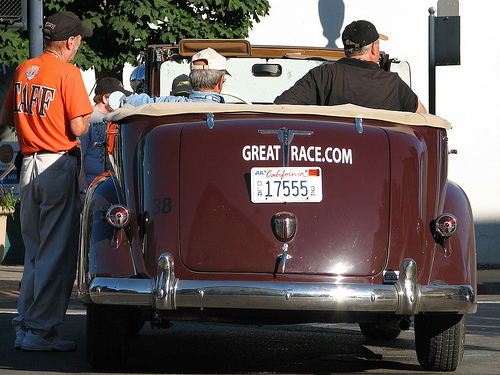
x=49 y=107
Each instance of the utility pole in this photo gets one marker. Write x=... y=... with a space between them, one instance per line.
x=35 y=27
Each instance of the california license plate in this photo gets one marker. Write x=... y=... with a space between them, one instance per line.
x=286 y=184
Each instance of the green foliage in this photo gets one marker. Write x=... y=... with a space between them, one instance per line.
x=123 y=28
x=7 y=199
x=14 y=46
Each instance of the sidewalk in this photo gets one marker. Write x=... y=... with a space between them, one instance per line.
x=488 y=281
x=10 y=280
x=10 y=277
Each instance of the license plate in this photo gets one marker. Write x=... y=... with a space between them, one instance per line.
x=286 y=184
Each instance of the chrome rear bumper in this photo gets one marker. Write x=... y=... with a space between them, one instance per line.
x=165 y=292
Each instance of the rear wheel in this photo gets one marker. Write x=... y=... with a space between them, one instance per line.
x=440 y=341
x=107 y=336
x=375 y=331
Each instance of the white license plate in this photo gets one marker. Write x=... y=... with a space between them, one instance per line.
x=286 y=184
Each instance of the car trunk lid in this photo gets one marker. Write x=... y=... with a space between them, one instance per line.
x=222 y=230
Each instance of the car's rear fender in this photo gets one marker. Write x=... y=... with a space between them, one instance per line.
x=454 y=260
x=104 y=250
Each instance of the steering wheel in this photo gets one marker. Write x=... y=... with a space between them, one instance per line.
x=237 y=96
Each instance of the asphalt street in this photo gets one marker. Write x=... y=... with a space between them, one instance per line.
x=209 y=348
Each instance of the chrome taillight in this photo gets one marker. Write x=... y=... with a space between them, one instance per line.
x=118 y=216
x=446 y=225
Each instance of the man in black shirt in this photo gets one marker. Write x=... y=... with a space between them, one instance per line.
x=355 y=79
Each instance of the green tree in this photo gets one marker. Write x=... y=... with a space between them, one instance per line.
x=123 y=28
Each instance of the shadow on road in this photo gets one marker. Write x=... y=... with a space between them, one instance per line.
x=206 y=348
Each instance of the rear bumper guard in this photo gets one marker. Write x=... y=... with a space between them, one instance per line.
x=165 y=292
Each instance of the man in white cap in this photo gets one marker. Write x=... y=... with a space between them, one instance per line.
x=208 y=69
x=355 y=79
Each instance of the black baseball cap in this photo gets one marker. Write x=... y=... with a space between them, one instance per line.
x=359 y=34
x=107 y=85
x=181 y=85
x=63 y=25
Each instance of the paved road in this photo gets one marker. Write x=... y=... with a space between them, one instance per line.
x=194 y=348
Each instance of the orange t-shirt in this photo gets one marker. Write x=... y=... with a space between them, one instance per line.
x=46 y=93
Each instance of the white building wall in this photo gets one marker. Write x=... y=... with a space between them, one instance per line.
x=466 y=95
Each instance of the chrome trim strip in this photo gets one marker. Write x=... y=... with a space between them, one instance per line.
x=166 y=292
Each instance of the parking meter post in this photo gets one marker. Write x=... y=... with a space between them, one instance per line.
x=444 y=42
x=432 y=62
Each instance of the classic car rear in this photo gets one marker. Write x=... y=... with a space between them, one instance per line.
x=272 y=214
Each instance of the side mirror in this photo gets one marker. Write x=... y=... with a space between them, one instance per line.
x=402 y=68
x=137 y=78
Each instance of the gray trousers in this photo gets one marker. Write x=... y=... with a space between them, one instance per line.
x=50 y=220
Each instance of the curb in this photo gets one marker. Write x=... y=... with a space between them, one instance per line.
x=491 y=288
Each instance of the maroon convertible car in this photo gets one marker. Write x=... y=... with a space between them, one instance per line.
x=248 y=212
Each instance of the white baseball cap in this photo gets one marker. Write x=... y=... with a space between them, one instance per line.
x=215 y=61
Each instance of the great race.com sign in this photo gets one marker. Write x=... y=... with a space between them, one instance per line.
x=8 y=152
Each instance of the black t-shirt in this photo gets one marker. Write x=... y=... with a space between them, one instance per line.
x=351 y=81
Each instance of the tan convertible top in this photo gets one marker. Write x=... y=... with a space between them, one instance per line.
x=346 y=110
